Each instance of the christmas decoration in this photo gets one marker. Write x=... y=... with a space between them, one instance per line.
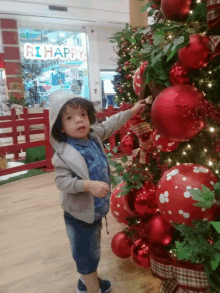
x=138 y=78
x=178 y=74
x=159 y=231
x=213 y=14
x=140 y=253
x=175 y=9
x=174 y=190
x=163 y=144
x=142 y=202
x=196 y=54
x=178 y=276
x=127 y=143
x=121 y=245
x=174 y=112
x=156 y=4
x=118 y=208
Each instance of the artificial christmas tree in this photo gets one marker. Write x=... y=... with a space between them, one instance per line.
x=176 y=60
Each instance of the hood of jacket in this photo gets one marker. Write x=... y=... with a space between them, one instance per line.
x=56 y=102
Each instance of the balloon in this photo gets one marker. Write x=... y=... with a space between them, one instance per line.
x=175 y=9
x=121 y=245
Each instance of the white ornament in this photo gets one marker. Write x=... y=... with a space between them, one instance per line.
x=172 y=173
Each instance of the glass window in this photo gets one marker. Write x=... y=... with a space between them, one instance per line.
x=108 y=92
x=52 y=61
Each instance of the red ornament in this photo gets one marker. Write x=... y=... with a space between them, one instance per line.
x=174 y=200
x=159 y=231
x=140 y=253
x=163 y=144
x=118 y=208
x=127 y=76
x=142 y=202
x=178 y=74
x=196 y=54
x=121 y=245
x=174 y=112
x=127 y=63
x=175 y=9
x=138 y=77
x=127 y=143
x=120 y=90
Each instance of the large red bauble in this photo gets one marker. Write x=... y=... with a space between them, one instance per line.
x=174 y=112
x=174 y=200
x=127 y=143
x=121 y=245
x=175 y=9
x=142 y=202
x=138 y=77
x=178 y=74
x=159 y=231
x=163 y=144
x=196 y=54
x=140 y=253
x=118 y=208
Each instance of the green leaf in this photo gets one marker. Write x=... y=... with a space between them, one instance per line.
x=126 y=177
x=178 y=41
x=135 y=178
x=157 y=58
x=139 y=185
x=214 y=264
x=151 y=12
x=216 y=225
x=144 y=8
x=166 y=48
x=170 y=56
x=217 y=245
x=133 y=40
x=107 y=147
x=115 y=149
x=124 y=159
x=217 y=189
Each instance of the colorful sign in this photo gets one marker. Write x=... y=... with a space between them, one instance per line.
x=51 y=52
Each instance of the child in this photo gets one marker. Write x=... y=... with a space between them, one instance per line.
x=83 y=176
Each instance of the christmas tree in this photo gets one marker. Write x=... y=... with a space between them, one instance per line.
x=169 y=195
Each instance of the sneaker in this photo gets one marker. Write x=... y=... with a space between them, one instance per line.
x=104 y=285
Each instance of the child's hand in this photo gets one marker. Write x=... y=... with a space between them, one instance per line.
x=97 y=188
x=140 y=105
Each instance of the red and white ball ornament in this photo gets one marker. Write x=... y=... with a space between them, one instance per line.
x=138 y=77
x=175 y=114
x=176 y=10
x=163 y=144
x=196 y=54
x=174 y=199
x=118 y=209
x=142 y=202
x=178 y=74
x=140 y=253
x=121 y=245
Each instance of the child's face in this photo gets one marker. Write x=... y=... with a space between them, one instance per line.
x=75 y=122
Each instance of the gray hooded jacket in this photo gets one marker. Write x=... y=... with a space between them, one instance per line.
x=70 y=166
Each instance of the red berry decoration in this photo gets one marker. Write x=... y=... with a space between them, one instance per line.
x=118 y=208
x=173 y=197
x=174 y=112
x=176 y=10
x=156 y=4
x=178 y=74
x=127 y=143
x=140 y=253
x=127 y=63
x=127 y=76
x=142 y=202
x=121 y=245
x=138 y=77
x=163 y=144
x=159 y=231
x=196 y=54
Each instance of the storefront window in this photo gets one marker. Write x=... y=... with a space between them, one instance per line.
x=52 y=61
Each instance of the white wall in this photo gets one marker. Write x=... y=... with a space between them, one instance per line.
x=106 y=55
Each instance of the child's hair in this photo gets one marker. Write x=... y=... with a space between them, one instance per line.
x=75 y=103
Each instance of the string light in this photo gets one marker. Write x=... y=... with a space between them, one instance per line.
x=210 y=163
x=210 y=72
x=170 y=36
x=198 y=1
x=169 y=160
x=212 y=129
x=184 y=153
x=188 y=146
x=191 y=12
x=216 y=171
x=209 y=85
x=178 y=163
x=205 y=150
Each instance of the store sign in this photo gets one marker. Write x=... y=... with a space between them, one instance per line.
x=51 y=52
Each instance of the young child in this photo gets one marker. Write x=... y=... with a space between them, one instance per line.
x=83 y=176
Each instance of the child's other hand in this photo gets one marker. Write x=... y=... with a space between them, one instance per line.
x=98 y=188
x=140 y=105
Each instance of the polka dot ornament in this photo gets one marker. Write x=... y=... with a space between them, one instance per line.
x=174 y=199
x=118 y=209
x=138 y=78
x=163 y=144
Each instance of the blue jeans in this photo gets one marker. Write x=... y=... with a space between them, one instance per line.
x=85 y=243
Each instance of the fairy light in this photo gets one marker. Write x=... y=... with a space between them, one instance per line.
x=210 y=163
x=188 y=146
x=210 y=72
x=178 y=163
x=184 y=153
x=216 y=171
x=198 y=1
x=209 y=84
x=191 y=12
x=170 y=36
x=205 y=150
x=169 y=160
x=211 y=129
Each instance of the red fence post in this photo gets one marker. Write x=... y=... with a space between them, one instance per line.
x=14 y=132
x=48 y=147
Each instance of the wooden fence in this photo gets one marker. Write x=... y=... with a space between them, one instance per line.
x=26 y=119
